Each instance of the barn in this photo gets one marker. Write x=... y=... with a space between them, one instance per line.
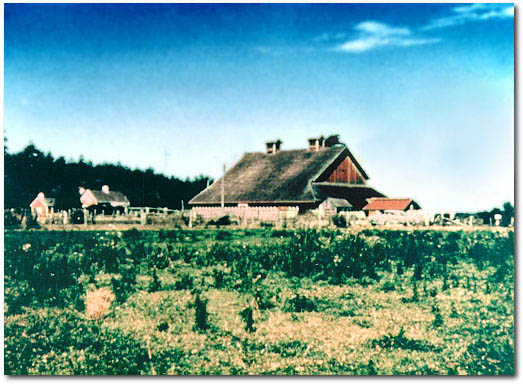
x=105 y=201
x=302 y=178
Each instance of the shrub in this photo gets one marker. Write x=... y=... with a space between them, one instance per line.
x=400 y=341
x=77 y=216
x=201 y=314
x=219 y=278
x=438 y=318
x=155 y=284
x=222 y=221
x=186 y=282
x=339 y=221
x=299 y=303
x=247 y=318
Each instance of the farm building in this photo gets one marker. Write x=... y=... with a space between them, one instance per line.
x=332 y=206
x=105 y=201
x=381 y=205
x=41 y=205
x=300 y=179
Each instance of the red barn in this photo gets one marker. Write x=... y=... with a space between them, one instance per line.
x=303 y=178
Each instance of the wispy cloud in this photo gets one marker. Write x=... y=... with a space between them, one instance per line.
x=371 y=35
x=472 y=13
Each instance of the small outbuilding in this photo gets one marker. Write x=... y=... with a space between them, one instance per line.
x=375 y=205
x=41 y=205
x=332 y=206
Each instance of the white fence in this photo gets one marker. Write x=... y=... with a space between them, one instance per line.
x=268 y=213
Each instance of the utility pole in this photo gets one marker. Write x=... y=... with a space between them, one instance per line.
x=223 y=188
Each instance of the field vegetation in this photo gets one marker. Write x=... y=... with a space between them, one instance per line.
x=259 y=302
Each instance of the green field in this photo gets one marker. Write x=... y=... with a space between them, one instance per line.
x=259 y=302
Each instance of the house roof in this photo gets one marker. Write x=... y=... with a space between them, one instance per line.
x=282 y=177
x=49 y=202
x=383 y=204
x=110 y=197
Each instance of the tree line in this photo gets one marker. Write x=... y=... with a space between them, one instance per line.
x=30 y=171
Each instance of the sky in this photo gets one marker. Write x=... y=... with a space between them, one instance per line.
x=422 y=94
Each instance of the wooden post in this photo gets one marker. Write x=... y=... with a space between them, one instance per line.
x=190 y=218
x=223 y=187
x=85 y=216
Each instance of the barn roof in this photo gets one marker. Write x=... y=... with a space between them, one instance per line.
x=109 y=197
x=383 y=204
x=285 y=176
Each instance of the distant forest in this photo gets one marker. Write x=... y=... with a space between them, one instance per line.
x=31 y=171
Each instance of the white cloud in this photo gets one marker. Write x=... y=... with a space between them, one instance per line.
x=381 y=29
x=472 y=13
x=372 y=34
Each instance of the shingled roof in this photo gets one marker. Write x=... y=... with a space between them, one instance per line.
x=110 y=197
x=284 y=177
x=383 y=204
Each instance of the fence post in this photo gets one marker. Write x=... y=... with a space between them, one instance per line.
x=85 y=217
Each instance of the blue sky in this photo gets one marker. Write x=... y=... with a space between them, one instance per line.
x=423 y=95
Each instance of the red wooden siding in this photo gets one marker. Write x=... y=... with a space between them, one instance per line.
x=346 y=172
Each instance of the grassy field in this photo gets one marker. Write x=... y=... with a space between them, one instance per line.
x=259 y=302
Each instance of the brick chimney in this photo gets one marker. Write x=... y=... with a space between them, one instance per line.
x=317 y=143
x=273 y=147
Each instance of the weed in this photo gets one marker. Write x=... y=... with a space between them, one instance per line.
x=438 y=318
x=200 y=313
x=155 y=284
x=247 y=318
